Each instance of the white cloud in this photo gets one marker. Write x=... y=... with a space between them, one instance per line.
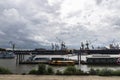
x=32 y=23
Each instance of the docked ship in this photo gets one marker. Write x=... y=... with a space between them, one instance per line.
x=6 y=55
x=103 y=59
x=61 y=61
x=57 y=60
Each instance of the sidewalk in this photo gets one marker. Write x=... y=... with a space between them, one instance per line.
x=50 y=77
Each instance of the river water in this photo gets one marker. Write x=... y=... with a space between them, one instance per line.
x=25 y=68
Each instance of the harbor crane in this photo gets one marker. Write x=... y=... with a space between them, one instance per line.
x=52 y=46
x=88 y=42
x=114 y=45
x=91 y=42
x=87 y=45
x=62 y=43
x=82 y=45
x=12 y=44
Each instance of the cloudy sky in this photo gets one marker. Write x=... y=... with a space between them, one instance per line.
x=37 y=23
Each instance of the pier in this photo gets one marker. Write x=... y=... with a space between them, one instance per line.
x=20 y=54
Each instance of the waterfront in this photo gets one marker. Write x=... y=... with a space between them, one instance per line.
x=25 y=68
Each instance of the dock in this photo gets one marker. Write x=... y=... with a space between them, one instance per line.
x=20 y=54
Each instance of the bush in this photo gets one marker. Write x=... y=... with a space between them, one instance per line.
x=80 y=72
x=105 y=72
x=50 y=70
x=70 y=70
x=4 y=71
x=33 y=72
x=116 y=73
x=58 y=72
x=93 y=72
x=41 y=69
x=23 y=73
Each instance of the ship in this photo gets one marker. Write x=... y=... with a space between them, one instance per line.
x=59 y=61
x=6 y=55
x=98 y=59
